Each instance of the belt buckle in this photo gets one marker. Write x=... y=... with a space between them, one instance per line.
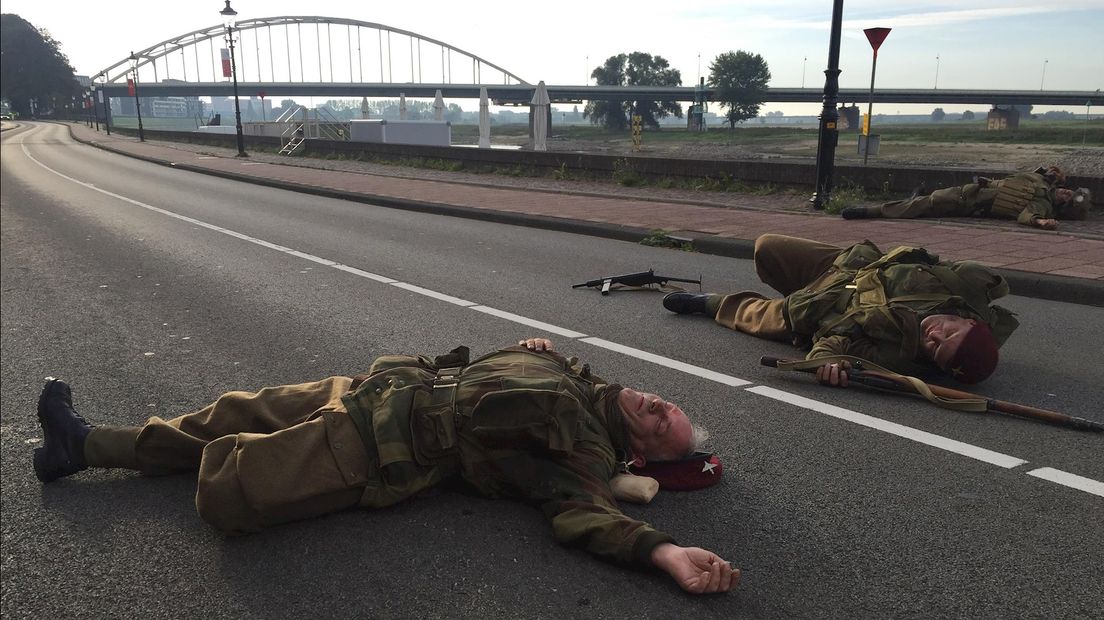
x=446 y=378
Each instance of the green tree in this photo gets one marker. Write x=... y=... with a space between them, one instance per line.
x=635 y=69
x=938 y=114
x=740 y=82
x=967 y=115
x=33 y=67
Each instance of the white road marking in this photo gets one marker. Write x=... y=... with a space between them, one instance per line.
x=995 y=458
x=414 y=288
x=517 y=318
x=924 y=437
x=1073 y=481
x=668 y=362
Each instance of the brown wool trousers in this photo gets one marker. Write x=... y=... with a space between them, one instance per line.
x=786 y=264
x=267 y=457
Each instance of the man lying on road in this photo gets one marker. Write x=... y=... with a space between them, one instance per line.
x=523 y=423
x=903 y=310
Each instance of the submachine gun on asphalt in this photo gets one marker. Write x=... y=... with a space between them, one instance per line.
x=640 y=278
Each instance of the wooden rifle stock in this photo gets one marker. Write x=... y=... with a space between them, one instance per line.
x=897 y=383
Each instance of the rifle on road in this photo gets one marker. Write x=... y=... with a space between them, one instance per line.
x=907 y=385
x=640 y=278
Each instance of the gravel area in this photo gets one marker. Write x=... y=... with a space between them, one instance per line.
x=1088 y=161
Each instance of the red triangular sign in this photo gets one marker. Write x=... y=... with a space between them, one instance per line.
x=876 y=36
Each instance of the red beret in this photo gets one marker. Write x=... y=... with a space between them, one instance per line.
x=697 y=471
x=976 y=357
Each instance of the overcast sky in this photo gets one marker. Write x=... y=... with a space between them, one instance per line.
x=983 y=44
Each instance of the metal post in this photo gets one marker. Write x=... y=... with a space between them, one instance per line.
x=137 y=103
x=107 y=107
x=829 y=135
x=870 y=107
x=237 y=106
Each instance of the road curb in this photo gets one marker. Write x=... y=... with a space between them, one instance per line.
x=1038 y=285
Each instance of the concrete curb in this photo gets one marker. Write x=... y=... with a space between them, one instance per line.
x=1038 y=285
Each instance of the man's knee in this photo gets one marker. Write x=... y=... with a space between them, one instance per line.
x=220 y=499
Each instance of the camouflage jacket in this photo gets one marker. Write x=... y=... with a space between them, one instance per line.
x=1025 y=196
x=869 y=304
x=536 y=427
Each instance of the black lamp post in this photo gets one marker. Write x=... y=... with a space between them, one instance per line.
x=137 y=104
x=107 y=108
x=828 y=135
x=228 y=15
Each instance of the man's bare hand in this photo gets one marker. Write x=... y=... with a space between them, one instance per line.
x=1046 y=223
x=696 y=570
x=834 y=374
x=537 y=344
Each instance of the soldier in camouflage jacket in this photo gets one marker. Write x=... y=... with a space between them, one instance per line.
x=523 y=423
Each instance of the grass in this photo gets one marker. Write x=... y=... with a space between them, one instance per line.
x=660 y=238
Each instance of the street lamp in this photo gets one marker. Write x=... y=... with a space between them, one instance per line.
x=228 y=18
x=936 y=87
x=105 y=100
x=1042 y=80
x=137 y=104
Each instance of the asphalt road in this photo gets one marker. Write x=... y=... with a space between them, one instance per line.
x=153 y=290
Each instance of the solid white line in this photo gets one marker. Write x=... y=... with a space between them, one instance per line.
x=668 y=362
x=1074 y=481
x=924 y=437
x=541 y=325
x=434 y=294
x=364 y=274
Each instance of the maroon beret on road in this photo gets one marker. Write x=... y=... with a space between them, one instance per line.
x=697 y=471
x=976 y=357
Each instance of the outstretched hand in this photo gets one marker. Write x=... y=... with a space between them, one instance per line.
x=696 y=570
x=834 y=374
x=537 y=344
x=1046 y=223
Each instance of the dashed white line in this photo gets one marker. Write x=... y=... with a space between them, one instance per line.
x=924 y=437
x=517 y=318
x=705 y=373
x=1073 y=481
x=1087 y=485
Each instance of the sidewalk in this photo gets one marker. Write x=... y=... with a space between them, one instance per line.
x=1053 y=265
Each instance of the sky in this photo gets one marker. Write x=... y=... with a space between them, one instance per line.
x=946 y=44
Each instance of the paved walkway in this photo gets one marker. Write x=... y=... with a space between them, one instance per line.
x=1056 y=265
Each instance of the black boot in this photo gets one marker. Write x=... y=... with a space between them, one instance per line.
x=687 y=303
x=855 y=213
x=63 y=431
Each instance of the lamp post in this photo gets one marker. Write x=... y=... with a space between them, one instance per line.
x=228 y=18
x=137 y=104
x=828 y=133
x=936 y=87
x=1042 y=80
x=104 y=99
x=93 y=110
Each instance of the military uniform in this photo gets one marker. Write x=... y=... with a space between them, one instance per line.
x=860 y=301
x=518 y=424
x=1024 y=197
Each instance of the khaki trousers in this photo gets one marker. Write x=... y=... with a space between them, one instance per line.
x=266 y=457
x=786 y=264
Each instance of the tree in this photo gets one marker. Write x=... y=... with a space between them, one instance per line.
x=33 y=67
x=740 y=81
x=938 y=114
x=635 y=69
x=967 y=115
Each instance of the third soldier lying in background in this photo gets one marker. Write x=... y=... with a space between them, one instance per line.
x=1035 y=199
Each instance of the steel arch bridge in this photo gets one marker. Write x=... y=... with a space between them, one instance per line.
x=309 y=57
